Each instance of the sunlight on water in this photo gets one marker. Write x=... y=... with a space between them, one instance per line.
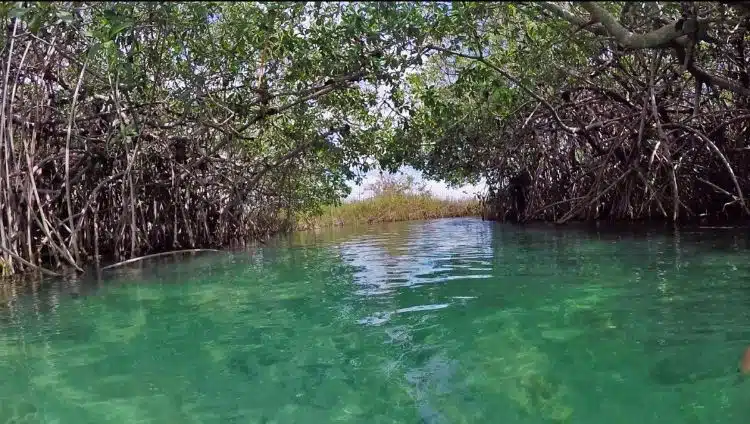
x=449 y=321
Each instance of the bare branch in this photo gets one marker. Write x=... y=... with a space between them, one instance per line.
x=658 y=38
x=576 y=20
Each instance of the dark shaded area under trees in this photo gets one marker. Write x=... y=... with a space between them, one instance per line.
x=136 y=128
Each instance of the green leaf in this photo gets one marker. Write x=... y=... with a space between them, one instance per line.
x=65 y=16
x=93 y=50
x=118 y=28
x=18 y=12
x=35 y=24
x=110 y=15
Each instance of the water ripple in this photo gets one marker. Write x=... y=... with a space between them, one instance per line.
x=418 y=256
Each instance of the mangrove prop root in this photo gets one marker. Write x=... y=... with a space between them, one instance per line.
x=92 y=170
x=156 y=255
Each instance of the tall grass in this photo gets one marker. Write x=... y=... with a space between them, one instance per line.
x=394 y=199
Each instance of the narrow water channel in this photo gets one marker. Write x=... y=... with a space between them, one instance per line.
x=448 y=321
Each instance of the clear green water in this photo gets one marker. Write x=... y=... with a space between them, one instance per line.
x=450 y=321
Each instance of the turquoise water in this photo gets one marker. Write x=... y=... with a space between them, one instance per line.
x=449 y=321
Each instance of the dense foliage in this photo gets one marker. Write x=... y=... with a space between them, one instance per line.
x=132 y=128
x=592 y=110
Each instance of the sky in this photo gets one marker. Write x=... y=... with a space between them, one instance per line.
x=437 y=188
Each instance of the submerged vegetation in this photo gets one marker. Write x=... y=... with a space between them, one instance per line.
x=134 y=128
x=392 y=199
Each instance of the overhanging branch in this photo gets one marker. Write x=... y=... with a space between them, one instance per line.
x=573 y=130
x=602 y=23
x=667 y=36
x=658 y=38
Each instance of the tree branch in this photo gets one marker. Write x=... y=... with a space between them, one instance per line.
x=572 y=130
x=667 y=36
x=332 y=85
x=608 y=25
x=704 y=76
x=576 y=20
x=658 y=38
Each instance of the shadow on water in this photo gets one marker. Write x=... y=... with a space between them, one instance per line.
x=441 y=321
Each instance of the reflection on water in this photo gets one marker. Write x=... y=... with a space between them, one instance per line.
x=449 y=321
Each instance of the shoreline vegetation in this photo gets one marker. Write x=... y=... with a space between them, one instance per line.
x=392 y=199
x=132 y=129
x=390 y=208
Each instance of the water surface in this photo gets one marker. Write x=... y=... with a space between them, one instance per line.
x=448 y=321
